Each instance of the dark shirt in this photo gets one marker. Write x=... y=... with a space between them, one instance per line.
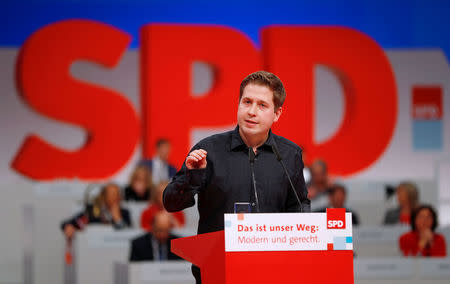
x=227 y=179
x=392 y=216
x=131 y=195
x=142 y=249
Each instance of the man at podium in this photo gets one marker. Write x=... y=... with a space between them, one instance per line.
x=249 y=168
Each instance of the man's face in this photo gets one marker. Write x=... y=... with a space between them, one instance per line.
x=162 y=226
x=318 y=174
x=337 y=198
x=164 y=151
x=256 y=111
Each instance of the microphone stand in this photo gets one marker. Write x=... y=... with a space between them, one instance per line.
x=251 y=157
x=275 y=150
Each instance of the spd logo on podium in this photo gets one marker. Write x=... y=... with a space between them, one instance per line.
x=335 y=218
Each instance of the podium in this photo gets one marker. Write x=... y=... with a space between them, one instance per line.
x=274 y=248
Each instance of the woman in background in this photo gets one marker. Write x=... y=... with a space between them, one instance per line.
x=139 y=188
x=407 y=198
x=422 y=240
x=104 y=210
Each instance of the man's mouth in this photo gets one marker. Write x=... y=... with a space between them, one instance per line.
x=251 y=122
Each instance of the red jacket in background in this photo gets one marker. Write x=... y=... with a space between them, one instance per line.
x=409 y=245
x=149 y=213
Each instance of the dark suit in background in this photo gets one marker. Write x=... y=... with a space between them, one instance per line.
x=392 y=216
x=143 y=249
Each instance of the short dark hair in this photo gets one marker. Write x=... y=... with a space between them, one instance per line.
x=320 y=163
x=337 y=187
x=162 y=141
x=417 y=211
x=270 y=80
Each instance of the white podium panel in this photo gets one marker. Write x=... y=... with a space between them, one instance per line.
x=378 y=241
x=384 y=268
x=97 y=248
x=402 y=270
x=51 y=204
x=14 y=196
x=164 y=272
x=436 y=268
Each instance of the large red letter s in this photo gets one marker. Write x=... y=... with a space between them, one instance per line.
x=45 y=84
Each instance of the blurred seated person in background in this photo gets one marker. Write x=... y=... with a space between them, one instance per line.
x=320 y=182
x=422 y=240
x=318 y=185
x=104 y=210
x=407 y=198
x=337 y=196
x=140 y=185
x=156 y=206
x=159 y=165
x=155 y=245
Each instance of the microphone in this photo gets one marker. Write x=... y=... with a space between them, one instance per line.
x=275 y=150
x=251 y=158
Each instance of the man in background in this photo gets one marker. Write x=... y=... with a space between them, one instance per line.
x=337 y=196
x=159 y=166
x=155 y=246
x=319 y=184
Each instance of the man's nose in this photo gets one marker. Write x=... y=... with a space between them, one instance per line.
x=252 y=109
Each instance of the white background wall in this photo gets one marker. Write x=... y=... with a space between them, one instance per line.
x=399 y=162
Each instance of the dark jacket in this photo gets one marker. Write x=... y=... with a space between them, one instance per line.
x=142 y=248
x=227 y=179
x=93 y=216
x=392 y=216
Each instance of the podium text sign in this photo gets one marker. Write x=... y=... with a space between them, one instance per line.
x=274 y=248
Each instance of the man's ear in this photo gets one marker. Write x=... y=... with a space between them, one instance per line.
x=278 y=114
